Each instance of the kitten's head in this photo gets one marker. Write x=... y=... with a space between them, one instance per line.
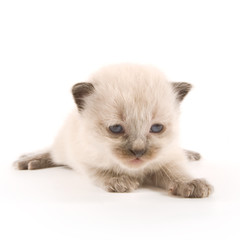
x=133 y=110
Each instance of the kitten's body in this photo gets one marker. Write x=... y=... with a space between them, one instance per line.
x=134 y=97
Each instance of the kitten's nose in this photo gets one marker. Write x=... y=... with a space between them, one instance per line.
x=137 y=152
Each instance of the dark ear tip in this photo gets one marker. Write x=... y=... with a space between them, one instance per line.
x=182 y=89
x=185 y=85
x=75 y=86
x=80 y=91
x=82 y=87
x=189 y=85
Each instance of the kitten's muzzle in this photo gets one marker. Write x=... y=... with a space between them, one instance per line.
x=138 y=152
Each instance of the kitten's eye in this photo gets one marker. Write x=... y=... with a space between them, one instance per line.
x=116 y=128
x=156 y=128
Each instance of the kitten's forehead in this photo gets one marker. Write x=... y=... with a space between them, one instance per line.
x=133 y=92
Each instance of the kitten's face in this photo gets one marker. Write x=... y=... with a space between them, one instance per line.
x=136 y=136
x=133 y=110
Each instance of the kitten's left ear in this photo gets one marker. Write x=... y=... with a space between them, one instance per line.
x=181 y=89
x=80 y=91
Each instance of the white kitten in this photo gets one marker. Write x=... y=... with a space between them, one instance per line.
x=124 y=133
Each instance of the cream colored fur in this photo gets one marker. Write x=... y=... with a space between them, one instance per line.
x=136 y=97
x=146 y=96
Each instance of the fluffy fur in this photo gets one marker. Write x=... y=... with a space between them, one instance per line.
x=135 y=97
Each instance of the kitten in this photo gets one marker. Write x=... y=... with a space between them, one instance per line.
x=124 y=133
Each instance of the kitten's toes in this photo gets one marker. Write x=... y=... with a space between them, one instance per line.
x=35 y=161
x=34 y=164
x=21 y=163
x=121 y=184
x=197 y=188
x=25 y=163
x=193 y=156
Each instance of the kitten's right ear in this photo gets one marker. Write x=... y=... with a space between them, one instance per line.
x=181 y=89
x=80 y=91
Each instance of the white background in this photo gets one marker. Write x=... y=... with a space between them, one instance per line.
x=47 y=46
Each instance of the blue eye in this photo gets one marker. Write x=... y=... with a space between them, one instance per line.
x=116 y=128
x=156 y=128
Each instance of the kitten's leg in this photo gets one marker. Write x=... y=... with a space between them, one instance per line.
x=113 y=182
x=191 y=155
x=174 y=178
x=35 y=161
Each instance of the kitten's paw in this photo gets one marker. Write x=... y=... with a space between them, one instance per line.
x=121 y=184
x=197 y=188
x=35 y=161
x=26 y=162
x=193 y=156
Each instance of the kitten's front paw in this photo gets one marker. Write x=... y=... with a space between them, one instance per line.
x=121 y=184
x=197 y=188
x=192 y=156
x=26 y=162
x=35 y=161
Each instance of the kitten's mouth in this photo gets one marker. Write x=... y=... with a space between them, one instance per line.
x=136 y=161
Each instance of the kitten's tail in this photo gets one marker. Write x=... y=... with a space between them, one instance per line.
x=35 y=161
